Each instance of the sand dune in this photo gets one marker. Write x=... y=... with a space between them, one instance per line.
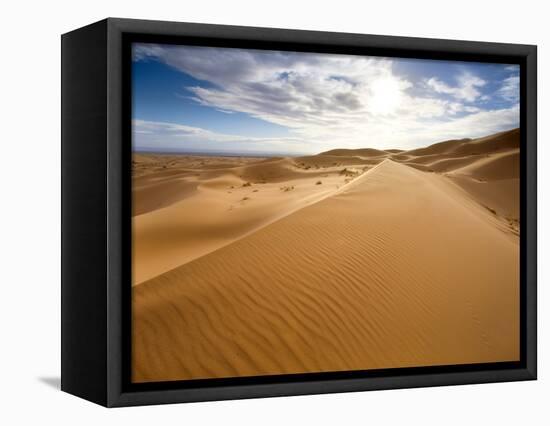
x=490 y=144
x=363 y=152
x=499 y=166
x=187 y=210
x=326 y=263
x=439 y=148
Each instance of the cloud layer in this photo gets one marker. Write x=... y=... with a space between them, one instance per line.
x=158 y=136
x=327 y=101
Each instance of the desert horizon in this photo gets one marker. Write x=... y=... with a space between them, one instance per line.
x=350 y=259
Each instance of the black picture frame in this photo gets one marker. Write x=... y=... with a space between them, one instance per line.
x=96 y=230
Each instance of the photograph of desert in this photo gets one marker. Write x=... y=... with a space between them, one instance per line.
x=317 y=213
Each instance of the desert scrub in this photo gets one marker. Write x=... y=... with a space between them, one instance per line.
x=491 y=210
x=348 y=173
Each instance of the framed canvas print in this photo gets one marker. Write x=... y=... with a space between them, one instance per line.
x=251 y=212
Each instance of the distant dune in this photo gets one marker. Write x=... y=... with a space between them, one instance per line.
x=363 y=152
x=346 y=260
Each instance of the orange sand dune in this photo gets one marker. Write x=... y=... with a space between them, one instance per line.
x=490 y=144
x=363 y=152
x=198 y=211
x=499 y=196
x=326 y=160
x=504 y=165
x=439 y=148
x=309 y=266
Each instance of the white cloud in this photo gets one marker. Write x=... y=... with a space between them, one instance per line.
x=510 y=89
x=326 y=101
x=467 y=88
x=143 y=127
x=171 y=137
x=479 y=124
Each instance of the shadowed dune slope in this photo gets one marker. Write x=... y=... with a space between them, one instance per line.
x=400 y=268
x=362 y=152
x=156 y=194
x=160 y=181
x=439 y=148
x=325 y=160
x=490 y=144
x=189 y=210
x=487 y=169
x=499 y=166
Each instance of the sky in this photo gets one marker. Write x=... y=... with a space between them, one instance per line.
x=244 y=101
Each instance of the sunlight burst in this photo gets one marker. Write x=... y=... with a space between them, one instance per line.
x=386 y=96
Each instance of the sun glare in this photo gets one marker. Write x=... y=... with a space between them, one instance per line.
x=385 y=96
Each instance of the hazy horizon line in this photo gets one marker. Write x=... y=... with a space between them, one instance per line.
x=217 y=153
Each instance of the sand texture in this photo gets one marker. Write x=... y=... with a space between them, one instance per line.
x=346 y=260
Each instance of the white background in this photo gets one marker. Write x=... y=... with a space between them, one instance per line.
x=30 y=200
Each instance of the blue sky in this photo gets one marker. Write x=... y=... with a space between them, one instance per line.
x=203 y=99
